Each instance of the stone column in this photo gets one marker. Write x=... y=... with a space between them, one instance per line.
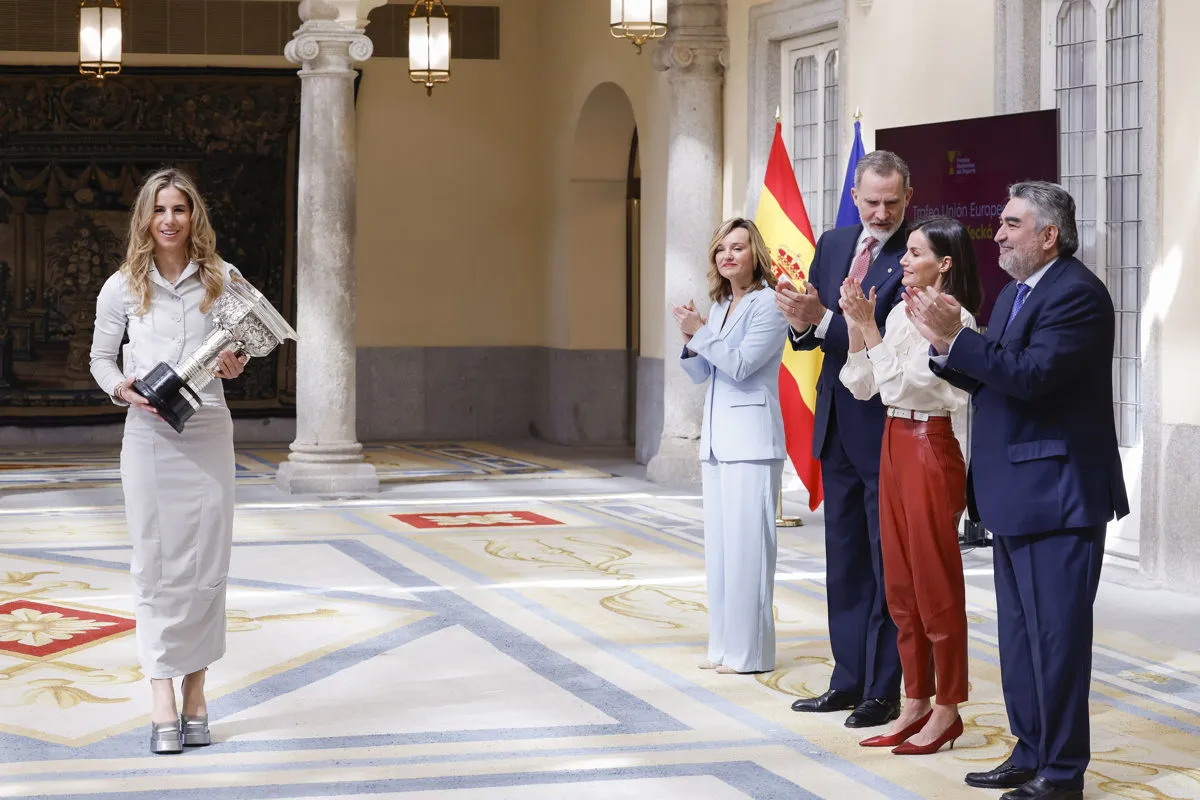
x=693 y=54
x=1018 y=56
x=326 y=456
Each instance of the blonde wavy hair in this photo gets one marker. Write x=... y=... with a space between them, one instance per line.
x=202 y=240
x=718 y=284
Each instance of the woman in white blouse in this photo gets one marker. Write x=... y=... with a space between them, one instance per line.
x=178 y=486
x=922 y=484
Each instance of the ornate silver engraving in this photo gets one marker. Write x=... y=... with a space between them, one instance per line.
x=243 y=321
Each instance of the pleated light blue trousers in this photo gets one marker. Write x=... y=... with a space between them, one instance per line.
x=739 y=560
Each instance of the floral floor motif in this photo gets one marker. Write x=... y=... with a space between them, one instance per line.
x=38 y=631
x=469 y=647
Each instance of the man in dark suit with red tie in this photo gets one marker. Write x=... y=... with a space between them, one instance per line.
x=848 y=437
x=1045 y=477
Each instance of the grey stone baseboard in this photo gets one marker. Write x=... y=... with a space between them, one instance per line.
x=581 y=396
x=444 y=392
x=649 y=423
x=574 y=397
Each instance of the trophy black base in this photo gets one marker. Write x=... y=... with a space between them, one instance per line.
x=170 y=395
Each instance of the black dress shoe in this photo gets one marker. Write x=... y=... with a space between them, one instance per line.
x=1042 y=789
x=833 y=700
x=873 y=712
x=1005 y=776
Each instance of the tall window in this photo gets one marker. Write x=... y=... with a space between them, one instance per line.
x=812 y=124
x=1097 y=89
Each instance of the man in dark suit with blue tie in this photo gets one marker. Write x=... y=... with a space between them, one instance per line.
x=847 y=439
x=1045 y=477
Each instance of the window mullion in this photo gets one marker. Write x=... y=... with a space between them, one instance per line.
x=1102 y=123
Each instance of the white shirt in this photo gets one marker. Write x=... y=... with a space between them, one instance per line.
x=897 y=369
x=823 y=326
x=1036 y=277
x=171 y=330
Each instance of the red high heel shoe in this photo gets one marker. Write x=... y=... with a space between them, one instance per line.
x=894 y=739
x=949 y=735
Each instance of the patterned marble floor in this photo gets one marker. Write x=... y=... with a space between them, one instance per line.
x=57 y=468
x=529 y=639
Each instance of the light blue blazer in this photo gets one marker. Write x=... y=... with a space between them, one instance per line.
x=742 y=420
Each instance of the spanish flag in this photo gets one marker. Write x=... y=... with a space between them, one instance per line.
x=784 y=224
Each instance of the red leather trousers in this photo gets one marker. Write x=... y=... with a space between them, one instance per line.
x=922 y=493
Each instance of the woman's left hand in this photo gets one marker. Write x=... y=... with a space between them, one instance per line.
x=858 y=309
x=230 y=366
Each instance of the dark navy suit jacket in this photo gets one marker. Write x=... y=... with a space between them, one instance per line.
x=860 y=423
x=1043 y=444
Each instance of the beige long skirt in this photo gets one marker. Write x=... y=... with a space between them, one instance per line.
x=179 y=507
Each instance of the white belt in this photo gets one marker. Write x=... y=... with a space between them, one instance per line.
x=915 y=416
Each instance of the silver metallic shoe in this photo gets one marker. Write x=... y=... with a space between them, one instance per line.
x=165 y=738
x=195 y=731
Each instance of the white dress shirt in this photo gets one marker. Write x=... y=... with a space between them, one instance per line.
x=171 y=330
x=897 y=369
x=823 y=326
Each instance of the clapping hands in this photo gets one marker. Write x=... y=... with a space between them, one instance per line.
x=688 y=320
x=859 y=309
x=801 y=307
x=937 y=316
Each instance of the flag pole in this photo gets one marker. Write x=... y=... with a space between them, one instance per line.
x=782 y=521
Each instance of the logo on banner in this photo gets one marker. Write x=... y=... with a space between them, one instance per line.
x=960 y=164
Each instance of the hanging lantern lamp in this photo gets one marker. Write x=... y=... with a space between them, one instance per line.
x=639 y=21
x=429 y=44
x=100 y=38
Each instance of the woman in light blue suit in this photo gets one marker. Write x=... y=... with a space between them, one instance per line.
x=739 y=348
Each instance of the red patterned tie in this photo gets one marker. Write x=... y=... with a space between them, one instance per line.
x=858 y=270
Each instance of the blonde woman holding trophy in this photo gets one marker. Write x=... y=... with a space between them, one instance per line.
x=177 y=479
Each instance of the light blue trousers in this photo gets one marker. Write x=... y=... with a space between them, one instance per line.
x=739 y=561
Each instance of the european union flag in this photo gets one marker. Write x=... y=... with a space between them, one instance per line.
x=847 y=211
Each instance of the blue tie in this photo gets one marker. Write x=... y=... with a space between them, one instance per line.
x=1022 y=293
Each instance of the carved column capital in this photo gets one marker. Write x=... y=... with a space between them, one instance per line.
x=323 y=46
x=697 y=44
x=352 y=14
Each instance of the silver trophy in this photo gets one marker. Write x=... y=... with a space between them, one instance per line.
x=243 y=321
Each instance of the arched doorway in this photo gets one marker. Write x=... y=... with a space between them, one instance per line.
x=595 y=285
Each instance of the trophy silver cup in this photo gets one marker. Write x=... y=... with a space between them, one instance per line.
x=243 y=321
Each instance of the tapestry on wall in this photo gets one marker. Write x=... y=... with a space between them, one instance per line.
x=73 y=152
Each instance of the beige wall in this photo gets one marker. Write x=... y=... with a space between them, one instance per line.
x=1175 y=282
x=528 y=221
x=904 y=62
x=448 y=207
x=576 y=55
x=909 y=62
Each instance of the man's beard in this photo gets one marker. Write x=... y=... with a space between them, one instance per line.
x=883 y=234
x=1018 y=265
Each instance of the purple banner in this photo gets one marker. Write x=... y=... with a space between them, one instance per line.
x=963 y=169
